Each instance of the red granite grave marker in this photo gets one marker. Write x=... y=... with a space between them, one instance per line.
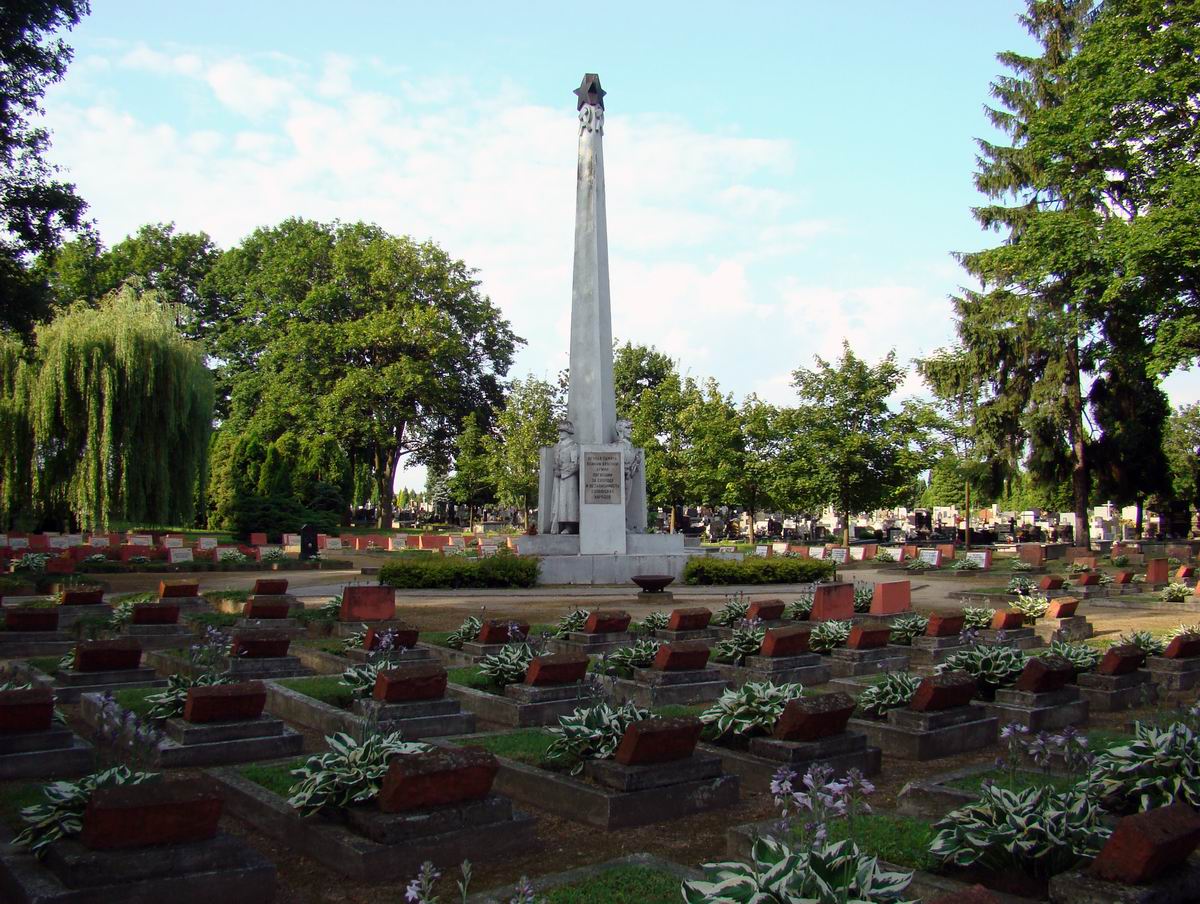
x=868 y=637
x=611 y=621
x=1157 y=571
x=258 y=539
x=31 y=619
x=689 y=619
x=132 y=816
x=1087 y=579
x=1183 y=646
x=1064 y=607
x=1007 y=619
x=945 y=625
x=155 y=614
x=420 y=681
x=1049 y=582
x=891 y=598
x=403 y=637
x=1123 y=577
x=238 y=702
x=270 y=587
x=779 y=642
x=28 y=710
x=260 y=645
x=681 y=656
x=1185 y=572
x=833 y=602
x=560 y=668
x=813 y=718
x=497 y=630
x=173 y=589
x=107 y=655
x=437 y=778
x=944 y=691
x=1146 y=845
x=1033 y=553
x=1044 y=674
x=92 y=596
x=265 y=609
x=1121 y=660
x=658 y=741
x=766 y=610
x=368 y=603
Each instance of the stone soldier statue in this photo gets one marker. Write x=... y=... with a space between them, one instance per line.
x=565 y=519
x=631 y=458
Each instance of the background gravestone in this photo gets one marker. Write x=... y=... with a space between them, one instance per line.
x=308 y=542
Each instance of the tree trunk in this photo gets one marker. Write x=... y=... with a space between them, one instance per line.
x=1137 y=524
x=967 y=523
x=1080 y=484
x=846 y=527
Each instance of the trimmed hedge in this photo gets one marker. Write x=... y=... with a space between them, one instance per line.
x=426 y=572
x=755 y=570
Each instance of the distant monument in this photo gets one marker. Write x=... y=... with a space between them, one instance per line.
x=592 y=488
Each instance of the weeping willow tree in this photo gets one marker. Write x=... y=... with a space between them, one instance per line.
x=16 y=435
x=119 y=407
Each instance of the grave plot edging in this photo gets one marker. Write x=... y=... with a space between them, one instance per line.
x=551 y=881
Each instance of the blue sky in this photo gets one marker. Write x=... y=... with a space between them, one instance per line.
x=780 y=175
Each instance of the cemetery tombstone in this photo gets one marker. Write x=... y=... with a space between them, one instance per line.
x=308 y=542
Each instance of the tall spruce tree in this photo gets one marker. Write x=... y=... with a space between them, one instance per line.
x=1029 y=329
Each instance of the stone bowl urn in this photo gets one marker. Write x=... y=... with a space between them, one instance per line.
x=653 y=583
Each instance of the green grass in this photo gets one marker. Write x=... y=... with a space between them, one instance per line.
x=897 y=839
x=135 y=698
x=619 y=885
x=233 y=596
x=324 y=644
x=470 y=676
x=679 y=710
x=525 y=746
x=214 y=619
x=47 y=664
x=437 y=638
x=326 y=688
x=276 y=778
x=1018 y=782
x=15 y=797
x=134 y=598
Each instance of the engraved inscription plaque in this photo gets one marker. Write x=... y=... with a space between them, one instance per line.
x=602 y=478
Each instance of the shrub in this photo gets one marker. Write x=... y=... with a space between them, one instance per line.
x=424 y=572
x=895 y=690
x=991 y=666
x=169 y=703
x=352 y=772
x=978 y=617
x=591 y=733
x=61 y=816
x=572 y=621
x=827 y=635
x=1037 y=831
x=736 y=608
x=1082 y=657
x=755 y=570
x=822 y=874
x=907 y=627
x=800 y=608
x=745 y=642
x=465 y=633
x=753 y=708
x=1120 y=561
x=508 y=666
x=624 y=660
x=1144 y=641
x=1159 y=766
x=1176 y=593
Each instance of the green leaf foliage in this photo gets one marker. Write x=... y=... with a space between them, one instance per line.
x=426 y=572
x=755 y=570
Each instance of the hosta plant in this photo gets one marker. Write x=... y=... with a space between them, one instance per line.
x=508 y=666
x=273 y=555
x=66 y=662
x=746 y=641
x=361 y=678
x=1037 y=831
x=61 y=816
x=894 y=691
x=8 y=683
x=356 y=640
x=1176 y=592
x=1021 y=584
x=31 y=562
x=863 y=594
x=465 y=633
x=352 y=771
x=622 y=661
x=233 y=557
x=735 y=609
x=96 y=558
x=1120 y=561
x=800 y=608
x=1018 y=565
x=991 y=666
x=1180 y=630
x=656 y=621
x=1077 y=568
x=1144 y=641
x=591 y=733
x=1082 y=657
x=827 y=635
x=751 y=709
x=776 y=874
x=169 y=703
x=1157 y=767
x=1032 y=605
x=883 y=556
x=965 y=565
x=907 y=627
x=572 y=621
x=978 y=617
x=917 y=565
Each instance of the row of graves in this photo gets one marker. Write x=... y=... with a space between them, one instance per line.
x=449 y=748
